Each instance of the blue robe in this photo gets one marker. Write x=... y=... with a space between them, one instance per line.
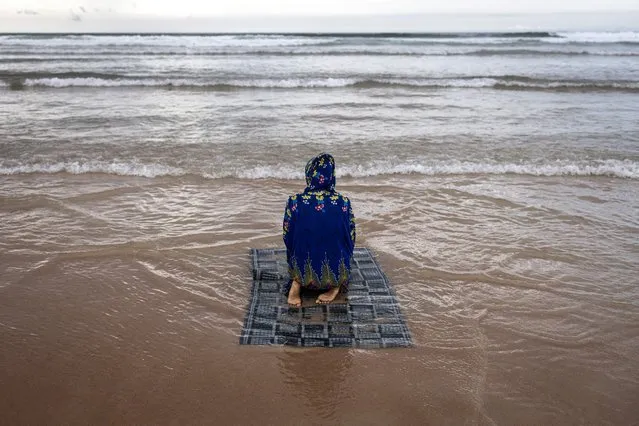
x=319 y=229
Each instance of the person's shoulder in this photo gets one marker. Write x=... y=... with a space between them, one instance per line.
x=341 y=197
x=295 y=197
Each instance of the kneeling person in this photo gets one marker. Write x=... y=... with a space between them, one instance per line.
x=319 y=234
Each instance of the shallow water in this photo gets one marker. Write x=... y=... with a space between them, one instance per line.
x=122 y=299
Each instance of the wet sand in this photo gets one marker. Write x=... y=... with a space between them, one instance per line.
x=121 y=302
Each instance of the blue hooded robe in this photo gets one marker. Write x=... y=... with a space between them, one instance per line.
x=319 y=229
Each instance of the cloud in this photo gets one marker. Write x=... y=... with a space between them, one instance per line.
x=176 y=9
x=74 y=16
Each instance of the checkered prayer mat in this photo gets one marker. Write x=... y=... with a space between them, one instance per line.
x=369 y=317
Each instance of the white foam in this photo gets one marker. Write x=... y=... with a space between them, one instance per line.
x=479 y=82
x=166 y=41
x=90 y=82
x=57 y=82
x=597 y=37
x=262 y=83
x=80 y=167
x=273 y=172
x=454 y=83
x=292 y=83
x=611 y=168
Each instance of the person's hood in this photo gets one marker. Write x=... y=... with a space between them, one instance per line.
x=320 y=173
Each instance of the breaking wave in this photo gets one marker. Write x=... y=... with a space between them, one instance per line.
x=497 y=82
x=56 y=82
x=289 y=39
x=160 y=40
x=610 y=168
x=624 y=37
x=82 y=167
x=92 y=55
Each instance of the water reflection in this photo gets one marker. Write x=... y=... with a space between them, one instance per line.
x=319 y=376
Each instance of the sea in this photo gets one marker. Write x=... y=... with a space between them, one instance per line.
x=495 y=175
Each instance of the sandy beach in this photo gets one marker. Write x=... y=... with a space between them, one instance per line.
x=131 y=314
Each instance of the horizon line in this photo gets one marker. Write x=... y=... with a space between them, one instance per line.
x=431 y=34
x=58 y=12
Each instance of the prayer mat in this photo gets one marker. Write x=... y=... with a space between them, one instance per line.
x=367 y=316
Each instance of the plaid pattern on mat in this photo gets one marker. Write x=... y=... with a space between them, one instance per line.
x=371 y=318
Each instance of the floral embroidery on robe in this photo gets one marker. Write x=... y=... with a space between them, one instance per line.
x=319 y=229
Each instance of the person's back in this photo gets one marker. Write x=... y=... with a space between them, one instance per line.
x=319 y=233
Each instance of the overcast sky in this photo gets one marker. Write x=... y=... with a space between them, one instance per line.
x=309 y=7
x=275 y=15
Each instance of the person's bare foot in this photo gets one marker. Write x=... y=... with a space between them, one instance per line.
x=294 y=298
x=327 y=297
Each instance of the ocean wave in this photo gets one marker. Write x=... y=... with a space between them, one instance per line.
x=56 y=82
x=259 y=36
x=121 y=168
x=496 y=82
x=623 y=37
x=16 y=75
x=304 y=39
x=17 y=56
x=159 y=40
x=632 y=86
x=541 y=52
x=609 y=168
